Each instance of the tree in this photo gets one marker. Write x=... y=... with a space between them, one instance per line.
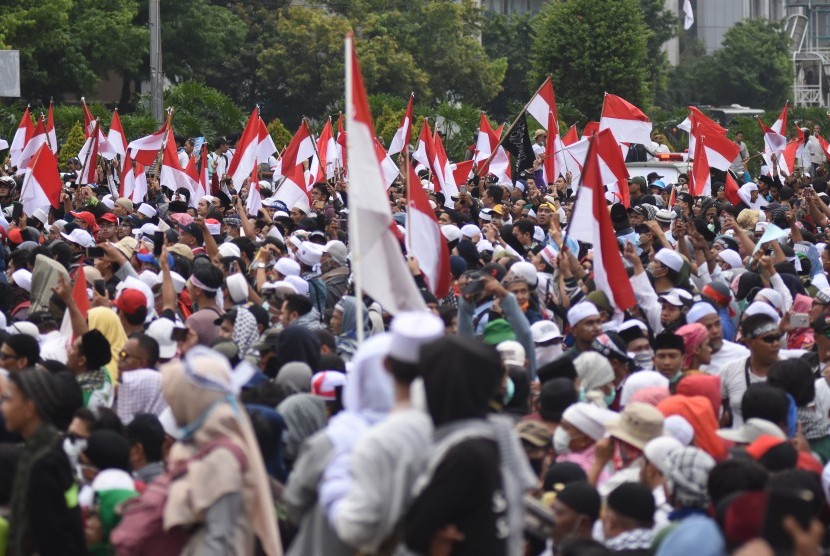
x=511 y=35
x=663 y=25
x=590 y=47
x=72 y=146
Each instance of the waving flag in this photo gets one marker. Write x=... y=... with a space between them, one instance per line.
x=701 y=179
x=375 y=250
x=688 y=15
x=244 y=158
x=629 y=123
x=400 y=141
x=774 y=144
x=33 y=145
x=51 y=135
x=730 y=190
x=780 y=125
x=424 y=239
x=172 y=174
x=42 y=183
x=327 y=151
x=542 y=104
x=388 y=167
x=133 y=181
x=25 y=131
x=499 y=162
x=116 y=137
x=293 y=191
x=89 y=156
x=442 y=162
x=146 y=149
x=591 y=223
x=613 y=172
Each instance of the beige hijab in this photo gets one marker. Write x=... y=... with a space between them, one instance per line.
x=196 y=389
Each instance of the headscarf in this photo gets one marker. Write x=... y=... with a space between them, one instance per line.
x=697 y=410
x=694 y=335
x=107 y=322
x=139 y=392
x=368 y=396
x=348 y=304
x=687 y=475
x=46 y=275
x=304 y=415
x=702 y=384
x=639 y=381
x=797 y=338
x=295 y=378
x=593 y=371
x=272 y=452
x=200 y=394
x=244 y=331
x=297 y=343
x=652 y=395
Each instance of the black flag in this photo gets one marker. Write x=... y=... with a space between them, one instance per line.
x=518 y=144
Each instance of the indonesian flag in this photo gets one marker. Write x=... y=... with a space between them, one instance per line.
x=116 y=137
x=327 y=150
x=825 y=147
x=543 y=104
x=554 y=156
x=701 y=180
x=791 y=153
x=628 y=122
x=25 y=131
x=424 y=239
x=253 y=202
x=89 y=157
x=612 y=166
x=146 y=149
x=342 y=152
x=193 y=175
x=774 y=143
x=444 y=167
x=720 y=150
x=463 y=171
x=89 y=119
x=591 y=128
x=293 y=191
x=51 y=135
x=388 y=167
x=591 y=223
x=571 y=136
x=401 y=139
x=574 y=158
x=42 y=183
x=378 y=263
x=81 y=298
x=673 y=196
x=245 y=156
x=780 y=125
x=265 y=144
x=425 y=153
x=688 y=15
x=32 y=146
x=730 y=190
x=172 y=174
x=487 y=140
x=133 y=181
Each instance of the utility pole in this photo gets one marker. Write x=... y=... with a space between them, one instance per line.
x=156 y=71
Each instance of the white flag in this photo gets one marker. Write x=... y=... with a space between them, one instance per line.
x=688 y=15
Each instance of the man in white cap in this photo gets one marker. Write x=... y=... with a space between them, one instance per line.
x=387 y=459
x=722 y=350
x=547 y=341
x=309 y=256
x=585 y=327
x=335 y=271
x=665 y=270
x=653 y=473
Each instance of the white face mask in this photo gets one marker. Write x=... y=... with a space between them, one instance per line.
x=546 y=354
x=561 y=441
x=644 y=360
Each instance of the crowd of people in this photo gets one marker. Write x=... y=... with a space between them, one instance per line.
x=180 y=376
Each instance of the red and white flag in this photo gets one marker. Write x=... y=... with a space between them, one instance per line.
x=89 y=157
x=89 y=119
x=51 y=134
x=265 y=144
x=612 y=166
x=42 y=183
x=424 y=239
x=591 y=128
x=825 y=147
x=774 y=143
x=487 y=140
x=388 y=167
x=146 y=149
x=327 y=151
x=591 y=223
x=400 y=141
x=425 y=153
x=203 y=181
x=32 y=146
x=342 y=152
x=720 y=150
x=629 y=123
x=293 y=191
x=25 y=131
x=376 y=252
x=463 y=171
x=780 y=125
x=542 y=104
x=697 y=123
x=555 y=162
x=701 y=178
x=116 y=137
x=253 y=202
x=133 y=181
x=245 y=156
x=730 y=190
x=172 y=174
x=81 y=298
x=444 y=167
x=571 y=137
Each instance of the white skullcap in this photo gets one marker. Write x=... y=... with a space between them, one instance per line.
x=237 y=287
x=762 y=308
x=229 y=249
x=109 y=203
x=299 y=284
x=23 y=278
x=208 y=198
x=148 y=277
x=178 y=281
x=411 y=330
x=658 y=449
x=582 y=311
x=451 y=232
x=24 y=327
x=41 y=215
x=526 y=271
x=670 y=258
x=679 y=429
x=772 y=297
x=279 y=284
x=593 y=371
x=484 y=245
x=699 y=310
x=730 y=257
x=538 y=234
x=287 y=267
x=588 y=418
x=512 y=353
x=639 y=381
x=147 y=210
x=470 y=230
x=310 y=253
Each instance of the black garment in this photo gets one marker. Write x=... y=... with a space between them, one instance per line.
x=297 y=343
x=54 y=528
x=463 y=492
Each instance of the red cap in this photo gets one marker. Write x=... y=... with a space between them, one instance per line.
x=14 y=235
x=130 y=301
x=108 y=217
x=762 y=445
x=87 y=217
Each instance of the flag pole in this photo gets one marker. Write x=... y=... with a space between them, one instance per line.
x=313 y=143
x=160 y=154
x=95 y=132
x=54 y=150
x=354 y=236
x=29 y=177
x=591 y=145
x=509 y=129
x=408 y=183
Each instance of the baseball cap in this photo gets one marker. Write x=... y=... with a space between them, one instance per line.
x=130 y=301
x=325 y=383
x=161 y=331
x=677 y=298
x=79 y=237
x=544 y=331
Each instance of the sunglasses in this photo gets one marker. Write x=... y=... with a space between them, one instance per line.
x=771 y=338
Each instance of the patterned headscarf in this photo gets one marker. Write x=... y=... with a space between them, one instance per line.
x=688 y=473
x=244 y=331
x=694 y=335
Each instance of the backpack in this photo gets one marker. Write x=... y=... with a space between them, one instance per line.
x=141 y=531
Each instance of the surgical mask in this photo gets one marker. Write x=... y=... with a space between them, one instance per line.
x=644 y=359
x=609 y=398
x=561 y=441
x=73 y=447
x=546 y=354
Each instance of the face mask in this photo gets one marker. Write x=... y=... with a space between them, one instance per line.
x=609 y=398
x=546 y=354
x=561 y=441
x=510 y=390
x=644 y=359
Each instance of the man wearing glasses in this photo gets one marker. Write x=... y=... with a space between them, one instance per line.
x=18 y=352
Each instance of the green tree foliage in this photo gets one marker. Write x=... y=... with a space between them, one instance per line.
x=662 y=25
x=279 y=133
x=200 y=110
x=752 y=68
x=510 y=35
x=590 y=47
x=72 y=145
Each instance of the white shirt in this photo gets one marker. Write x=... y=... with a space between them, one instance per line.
x=728 y=352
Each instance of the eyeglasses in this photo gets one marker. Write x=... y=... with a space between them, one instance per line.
x=771 y=338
